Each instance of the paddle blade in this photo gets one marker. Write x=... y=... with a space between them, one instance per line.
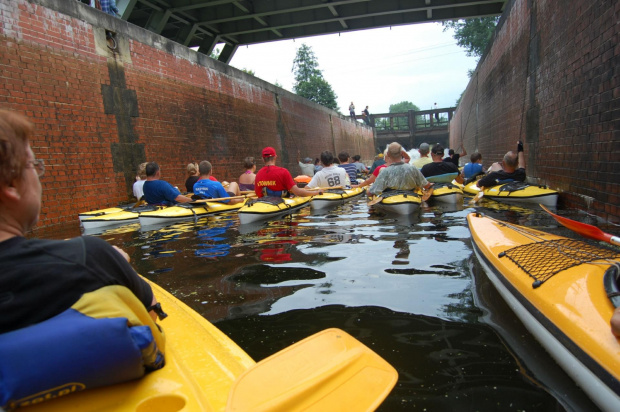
x=585 y=230
x=327 y=371
x=476 y=198
x=375 y=201
x=427 y=194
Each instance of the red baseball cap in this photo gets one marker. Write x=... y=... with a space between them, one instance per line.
x=269 y=152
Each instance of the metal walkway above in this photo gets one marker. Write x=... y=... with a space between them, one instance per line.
x=205 y=23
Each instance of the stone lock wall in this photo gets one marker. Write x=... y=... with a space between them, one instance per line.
x=551 y=78
x=106 y=95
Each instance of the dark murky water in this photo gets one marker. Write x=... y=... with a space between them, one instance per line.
x=409 y=288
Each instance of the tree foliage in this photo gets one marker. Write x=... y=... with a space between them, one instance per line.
x=473 y=34
x=309 y=81
x=403 y=107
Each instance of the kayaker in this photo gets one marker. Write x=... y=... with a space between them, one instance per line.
x=474 y=167
x=272 y=180
x=455 y=157
x=59 y=279
x=398 y=175
x=160 y=192
x=438 y=166
x=192 y=176
x=359 y=166
x=349 y=167
x=330 y=175
x=205 y=188
x=424 y=159
x=373 y=175
x=246 y=180
x=307 y=168
x=139 y=183
x=511 y=169
x=379 y=160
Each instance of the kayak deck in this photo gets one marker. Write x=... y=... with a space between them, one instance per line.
x=268 y=207
x=333 y=197
x=555 y=286
x=201 y=365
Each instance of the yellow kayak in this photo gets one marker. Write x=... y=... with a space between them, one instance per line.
x=555 y=285
x=446 y=193
x=100 y=212
x=333 y=197
x=206 y=371
x=400 y=202
x=169 y=214
x=516 y=192
x=269 y=207
x=121 y=217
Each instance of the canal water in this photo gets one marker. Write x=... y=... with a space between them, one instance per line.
x=410 y=288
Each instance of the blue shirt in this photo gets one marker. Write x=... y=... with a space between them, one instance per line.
x=159 y=192
x=109 y=6
x=351 y=171
x=472 y=169
x=208 y=189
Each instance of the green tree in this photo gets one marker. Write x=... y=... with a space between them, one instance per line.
x=248 y=71
x=403 y=107
x=309 y=81
x=473 y=34
x=215 y=53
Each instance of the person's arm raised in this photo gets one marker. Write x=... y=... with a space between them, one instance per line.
x=520 y=155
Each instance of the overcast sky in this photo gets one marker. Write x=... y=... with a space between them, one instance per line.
x=419 y=63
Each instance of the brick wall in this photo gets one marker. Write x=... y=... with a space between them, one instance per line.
x=551 y=78
x=100 y=112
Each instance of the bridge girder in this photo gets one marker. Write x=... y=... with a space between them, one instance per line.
x=196 y=23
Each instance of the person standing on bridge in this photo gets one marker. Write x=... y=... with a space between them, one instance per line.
x=436 y=112
x=366 y=116
x=352 y=111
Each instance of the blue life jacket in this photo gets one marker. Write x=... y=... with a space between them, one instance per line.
x=75 y=350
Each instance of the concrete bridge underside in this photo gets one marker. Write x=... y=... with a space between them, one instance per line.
x=206 y=23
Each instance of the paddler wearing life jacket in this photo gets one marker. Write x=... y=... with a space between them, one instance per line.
x=512 y=169
x=75 y=314
x=272 y=180
x=398 y=175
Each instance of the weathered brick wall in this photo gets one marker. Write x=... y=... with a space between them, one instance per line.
x=99 y=112
x=550 y=78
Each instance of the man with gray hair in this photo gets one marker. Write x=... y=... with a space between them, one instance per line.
x=398 y=175
x=511 y=169
x=423 y=159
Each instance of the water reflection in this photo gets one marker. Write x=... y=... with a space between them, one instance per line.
x=402 y=285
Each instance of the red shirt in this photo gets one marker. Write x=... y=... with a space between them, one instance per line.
x=378 y=169
x=274 y=178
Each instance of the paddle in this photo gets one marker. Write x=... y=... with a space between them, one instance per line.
x=479 y=196
x=427 y=193
x=330 y=370
x=221 y=198
x=374 y=201
x=324 y=188
x=138 y=203
x=589 y=231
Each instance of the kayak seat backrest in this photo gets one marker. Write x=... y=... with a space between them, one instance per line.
x=394 y=192
x=513 y=186
x=445 y=178
x=611 y=281
x=76 y=350
x=272 y=200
